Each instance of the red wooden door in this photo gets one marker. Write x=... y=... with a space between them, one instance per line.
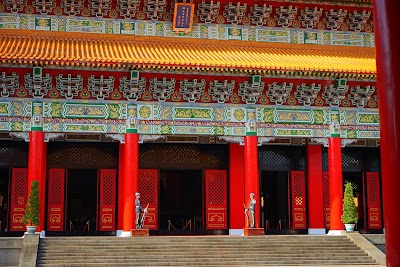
x=19 y=195
x=373 y=200
x=148 y=189
x=108 y=186
x=216 y=199
x=326 y=204
x=56 y=200
x=299 y=216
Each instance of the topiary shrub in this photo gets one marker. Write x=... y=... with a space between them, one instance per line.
x=349 y=215
x=32 y=209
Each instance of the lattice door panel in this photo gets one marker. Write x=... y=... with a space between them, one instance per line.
x=19 y=195
x=216 y=199
x=108 y=187
x=299 y=216
x=374 y=200
x=327 y=200
x=56 y=200
x=148 y=188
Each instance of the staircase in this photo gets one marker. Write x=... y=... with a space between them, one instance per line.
x=210 y=251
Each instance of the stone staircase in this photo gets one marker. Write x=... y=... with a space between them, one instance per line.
x=210 y=251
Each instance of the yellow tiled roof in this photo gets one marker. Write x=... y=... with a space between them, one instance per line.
x=58 y=48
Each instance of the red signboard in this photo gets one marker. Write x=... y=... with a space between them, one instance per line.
x=108 y=186
x=56 y=203
x=325 y=187
x=299 y=201
x=216 y=199
x=373 y=200
x=148 y=189
x=19 y=195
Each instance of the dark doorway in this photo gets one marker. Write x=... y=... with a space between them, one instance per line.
x=356 y=179
x=4 y=189
x=274 y=188
x=81 y=200
x=181 y=200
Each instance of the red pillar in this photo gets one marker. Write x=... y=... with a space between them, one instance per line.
x=315 y=191
x=236 y=186
x=131 y=182
x=387 y=40
x=37 y=169
x=251 y=175
x=335 y=182
x=121 y=192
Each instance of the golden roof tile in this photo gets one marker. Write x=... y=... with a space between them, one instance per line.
x=102 y=49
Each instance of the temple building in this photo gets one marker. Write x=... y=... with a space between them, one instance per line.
x=194 y=104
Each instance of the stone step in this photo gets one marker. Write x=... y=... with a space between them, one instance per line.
x=310 y=262
x=201 y=251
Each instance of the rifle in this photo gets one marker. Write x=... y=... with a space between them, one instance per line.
x=143 y=216
x=247 y=216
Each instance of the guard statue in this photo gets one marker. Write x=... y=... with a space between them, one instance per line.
x=138 y=210
x=251 y=208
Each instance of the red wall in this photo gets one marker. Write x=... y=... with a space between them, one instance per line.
x=315 y=192
x=236 y=186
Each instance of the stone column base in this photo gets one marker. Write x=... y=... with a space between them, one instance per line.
x=140 y=232
x=253 y=231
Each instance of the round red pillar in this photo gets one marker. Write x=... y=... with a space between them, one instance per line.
x=335 y=182
x=121 y=192
x=37 y=169
x=131 y=182
x=387 y=40
x=251 y=175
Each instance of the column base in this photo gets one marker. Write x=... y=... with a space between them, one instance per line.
x=140 y=232
x=125 y=234
x=316 y=231
x=236 y=231
x=337 y=232
x=253 y=231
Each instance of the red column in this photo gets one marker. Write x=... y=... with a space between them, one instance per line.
x=335 y=182
x=37 y=169
x=387 y=40
x=131 y=182
x=251 y=175
x=121 y=192
x=236 y=186
x=315 y=191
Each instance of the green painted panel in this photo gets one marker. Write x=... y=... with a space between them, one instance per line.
x=193 y=113
x=368 y=118
x=83 y=110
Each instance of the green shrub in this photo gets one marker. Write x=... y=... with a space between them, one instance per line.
x=349 y=214
x=32 y=209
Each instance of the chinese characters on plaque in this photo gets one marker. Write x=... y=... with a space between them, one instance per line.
x=183 y=17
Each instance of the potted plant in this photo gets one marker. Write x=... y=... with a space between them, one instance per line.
x=350 y=215
x=32 y=210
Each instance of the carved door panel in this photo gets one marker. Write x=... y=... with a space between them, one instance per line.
x=108 y=186
x=373 y=200
x=216 y=199
x=19 y=196
x=56 y=200
x=148 y=188
x=299 y=215
x=326 y=204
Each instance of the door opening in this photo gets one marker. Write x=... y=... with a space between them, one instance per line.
x=181 y=200
x=81 y=200
x=274 y=187
x=4 y=196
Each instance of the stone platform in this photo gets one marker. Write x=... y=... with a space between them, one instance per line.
x=253 y=231
x=140 y=232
